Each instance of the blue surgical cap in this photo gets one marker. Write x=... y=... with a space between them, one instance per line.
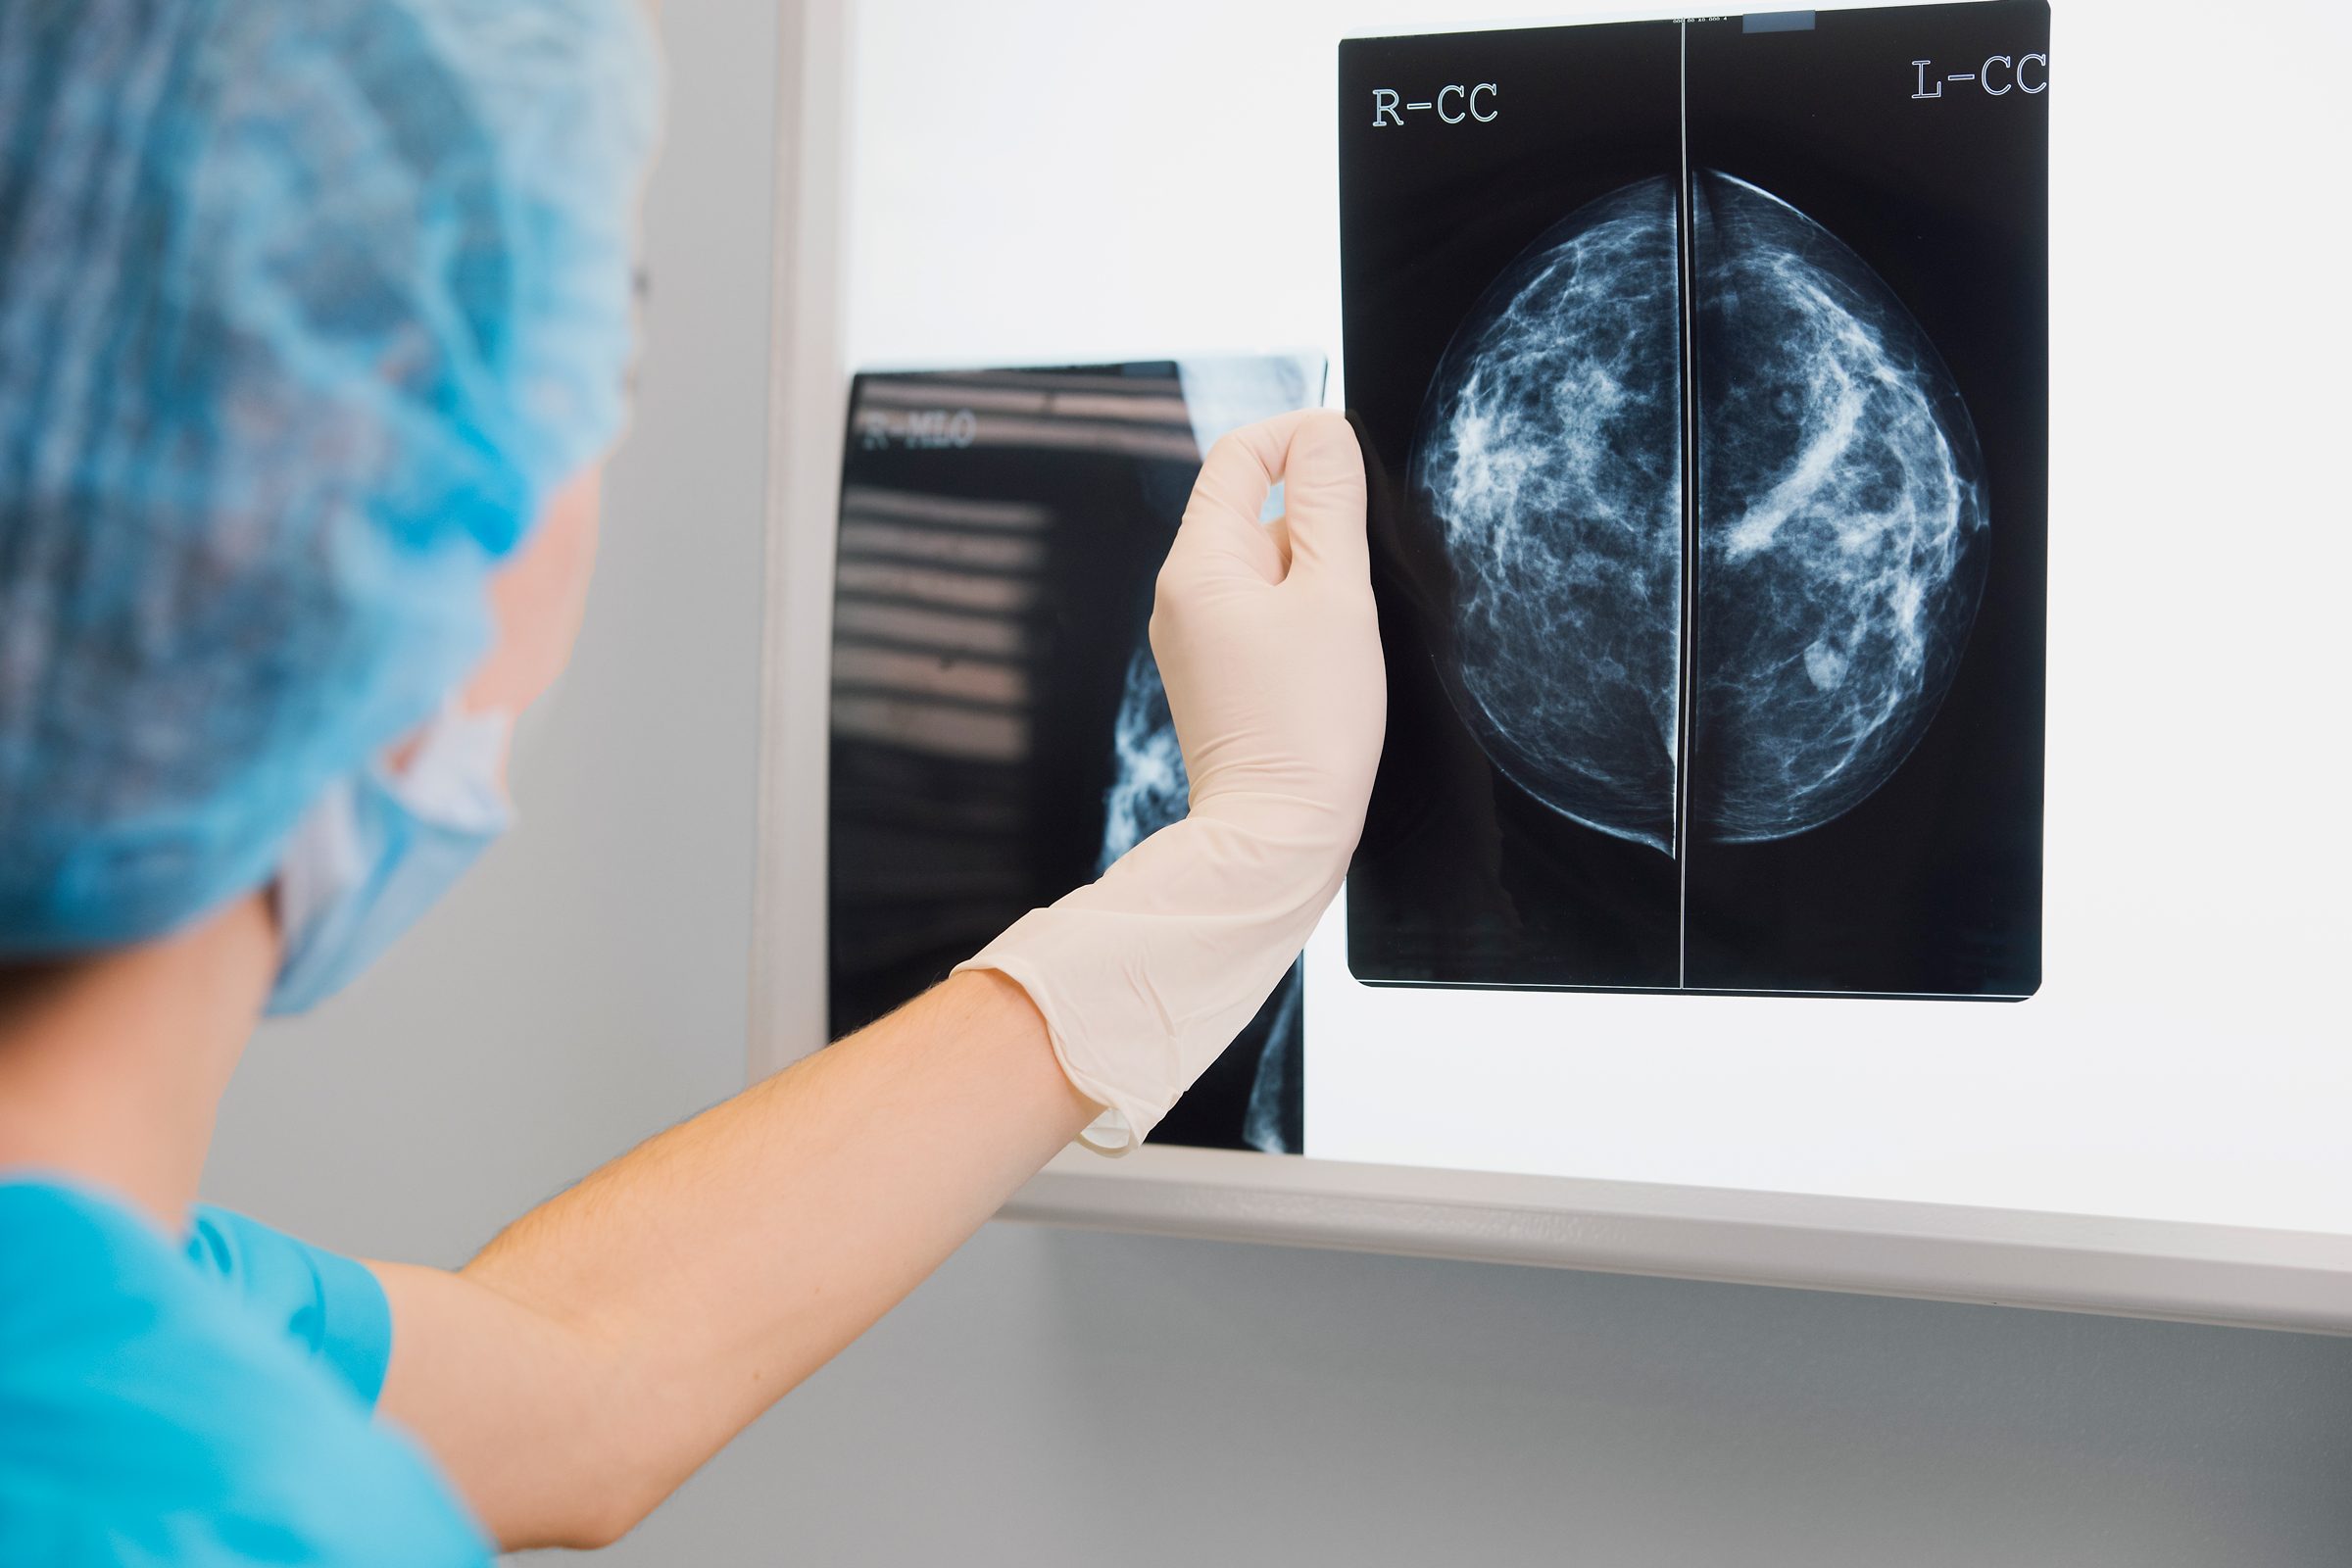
x=306 y=308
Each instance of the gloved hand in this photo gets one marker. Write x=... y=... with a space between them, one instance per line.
x=1269 y=647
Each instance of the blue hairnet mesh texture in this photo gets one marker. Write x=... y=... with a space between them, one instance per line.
x=305 y=306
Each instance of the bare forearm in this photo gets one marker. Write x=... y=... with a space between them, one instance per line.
x=608 y=1343
x=612 y=1339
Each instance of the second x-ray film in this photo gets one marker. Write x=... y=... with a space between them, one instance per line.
x=998 y=730
x=1702 y=369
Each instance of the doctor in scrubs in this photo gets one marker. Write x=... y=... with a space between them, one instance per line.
x=315 y=320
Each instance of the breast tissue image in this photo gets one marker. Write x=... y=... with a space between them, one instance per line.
x=1840 y=524
x=1150 y=790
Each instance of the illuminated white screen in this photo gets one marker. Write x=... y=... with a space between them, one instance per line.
x=1061 y=181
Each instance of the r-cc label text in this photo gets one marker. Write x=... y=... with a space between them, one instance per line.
x=1456 y=102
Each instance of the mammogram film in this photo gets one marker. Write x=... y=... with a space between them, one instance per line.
x=1711 y=580
x=998 y=730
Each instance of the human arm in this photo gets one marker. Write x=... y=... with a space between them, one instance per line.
x=609 y=1341
x=614 y=1338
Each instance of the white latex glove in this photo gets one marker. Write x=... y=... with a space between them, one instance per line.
x=1269 y=647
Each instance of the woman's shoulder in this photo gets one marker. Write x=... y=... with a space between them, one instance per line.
x=330 y=1307
x=150 y=1415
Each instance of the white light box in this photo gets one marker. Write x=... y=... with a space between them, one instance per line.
x=2164 y=1125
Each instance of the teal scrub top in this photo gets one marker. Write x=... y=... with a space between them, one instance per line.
x=211 y=1404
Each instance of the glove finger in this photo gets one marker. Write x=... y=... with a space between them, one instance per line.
x=1323 y=500
x=1221 y=533
x=1279 y=531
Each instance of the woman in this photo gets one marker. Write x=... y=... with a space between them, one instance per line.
x=315 y=318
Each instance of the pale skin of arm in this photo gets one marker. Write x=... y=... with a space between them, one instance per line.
x=614 y=1338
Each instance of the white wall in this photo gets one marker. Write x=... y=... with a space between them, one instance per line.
x=1062 y=1398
